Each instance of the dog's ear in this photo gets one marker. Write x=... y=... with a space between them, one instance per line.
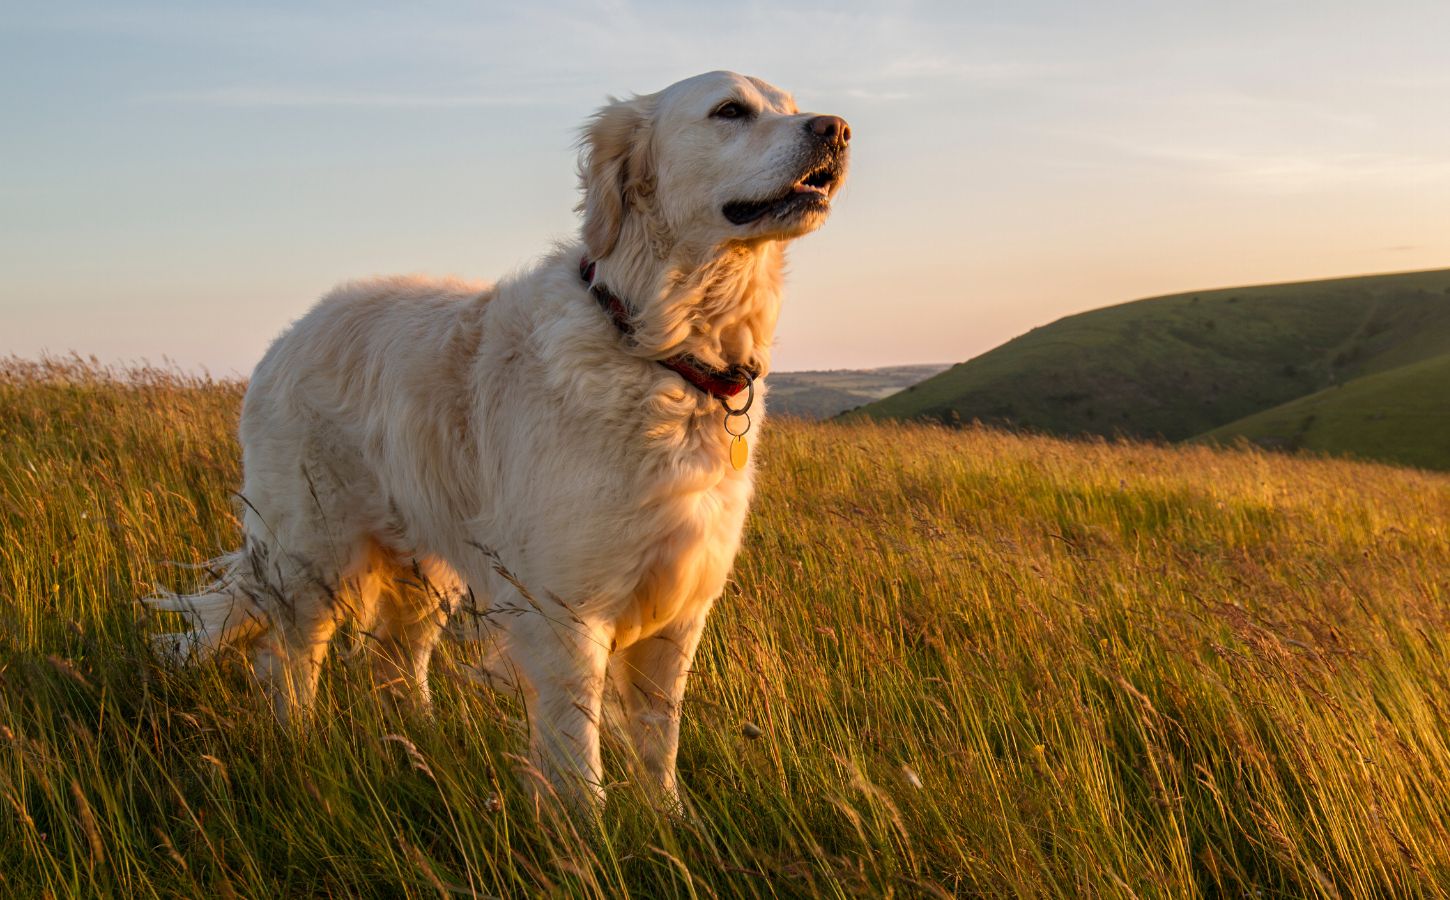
x=616 y=170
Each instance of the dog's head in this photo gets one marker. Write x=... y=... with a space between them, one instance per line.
x=710 y=160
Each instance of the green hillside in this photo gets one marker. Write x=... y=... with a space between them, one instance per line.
x=1402 y=415
x=1178 y=366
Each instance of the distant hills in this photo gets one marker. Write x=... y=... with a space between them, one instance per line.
x=824 y=393
x=1358 y=366
x=1401 y=415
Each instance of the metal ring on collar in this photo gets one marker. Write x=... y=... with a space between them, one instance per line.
x=742 y=432
x=749 y=399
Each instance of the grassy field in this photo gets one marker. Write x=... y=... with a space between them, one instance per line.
x=980 y=664
x=1176 y=367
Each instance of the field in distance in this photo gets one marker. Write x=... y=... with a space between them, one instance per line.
x=822 y=393
x=975 y=662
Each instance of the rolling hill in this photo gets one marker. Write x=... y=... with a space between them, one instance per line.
x=1180 y=366
x=1401 y=415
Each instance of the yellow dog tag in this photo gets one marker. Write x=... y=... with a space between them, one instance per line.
x=739 y=452
x=739 y=449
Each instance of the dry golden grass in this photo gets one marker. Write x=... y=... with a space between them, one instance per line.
x=978 y=664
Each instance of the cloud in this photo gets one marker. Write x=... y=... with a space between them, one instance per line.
x=938 y=68
x=1307 y=172
x=1310 y=157
x=284 y=98
x=874 y=96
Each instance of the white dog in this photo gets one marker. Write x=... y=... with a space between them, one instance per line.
x=554 y=446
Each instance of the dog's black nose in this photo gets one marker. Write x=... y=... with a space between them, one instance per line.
x=832 y=129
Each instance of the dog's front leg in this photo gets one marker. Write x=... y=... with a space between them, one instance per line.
x=650 y=676
x=560 y=669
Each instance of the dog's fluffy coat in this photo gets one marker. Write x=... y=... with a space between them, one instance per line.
x=409 y=442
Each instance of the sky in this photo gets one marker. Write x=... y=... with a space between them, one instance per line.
x=179 y=181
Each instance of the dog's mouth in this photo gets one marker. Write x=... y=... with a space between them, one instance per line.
x=811 y=191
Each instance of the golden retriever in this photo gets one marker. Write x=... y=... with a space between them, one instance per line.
x=560 y=447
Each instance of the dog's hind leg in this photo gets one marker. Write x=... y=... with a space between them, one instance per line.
x=308 y=589
x=411 y=612
x=288 y=659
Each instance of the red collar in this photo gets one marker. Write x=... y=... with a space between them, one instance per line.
x=718 y=383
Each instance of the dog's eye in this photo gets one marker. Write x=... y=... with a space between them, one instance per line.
x=731 y=109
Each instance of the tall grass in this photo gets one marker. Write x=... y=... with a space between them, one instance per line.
x=976 y=664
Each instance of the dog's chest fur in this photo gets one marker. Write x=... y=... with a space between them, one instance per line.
x=688 y=543
x=607 y=482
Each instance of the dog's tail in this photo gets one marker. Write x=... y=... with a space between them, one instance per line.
x=224 y=612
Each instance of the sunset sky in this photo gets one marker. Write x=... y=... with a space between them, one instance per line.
x=181 y=180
